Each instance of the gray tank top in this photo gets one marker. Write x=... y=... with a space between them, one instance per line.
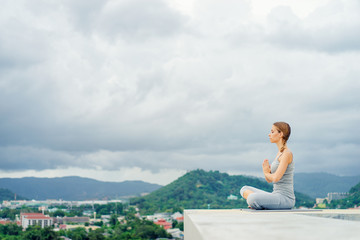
x=285 y=186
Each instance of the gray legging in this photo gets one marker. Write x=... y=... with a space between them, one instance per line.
x=265 y=200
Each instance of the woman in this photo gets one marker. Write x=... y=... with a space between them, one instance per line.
x=280 y=173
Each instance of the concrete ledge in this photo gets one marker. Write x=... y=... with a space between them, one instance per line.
x=244 y=224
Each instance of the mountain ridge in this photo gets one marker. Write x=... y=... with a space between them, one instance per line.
x=74 y=188
x=319 y=184
x=83 y=188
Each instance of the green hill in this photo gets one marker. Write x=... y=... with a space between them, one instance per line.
x=6 y=194
x=353 y=200
x=200 y=189
x=355 y=189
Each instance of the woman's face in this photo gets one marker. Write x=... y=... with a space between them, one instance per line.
x=275 y=135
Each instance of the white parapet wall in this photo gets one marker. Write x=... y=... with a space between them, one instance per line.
x=289 y=225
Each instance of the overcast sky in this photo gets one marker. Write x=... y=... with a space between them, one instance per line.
x=148 y=89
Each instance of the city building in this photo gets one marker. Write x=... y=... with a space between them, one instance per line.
x=232 y=197
x=4 y=221
x=31 y=219
x=158 y=216
x=176 y=233
x=66 y=220
x=337 y=196
x=330 y=197
x=51 y=202
x=162 y=222
x=178 y=217
x=320 y=200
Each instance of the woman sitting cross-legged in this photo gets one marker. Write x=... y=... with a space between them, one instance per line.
x=280 y=173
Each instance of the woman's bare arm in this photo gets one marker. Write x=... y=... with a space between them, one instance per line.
x=285 y=160
x=266 y=170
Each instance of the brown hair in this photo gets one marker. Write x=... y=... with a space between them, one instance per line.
x=286 y=130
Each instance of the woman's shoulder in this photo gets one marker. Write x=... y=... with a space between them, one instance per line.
x=288 y=151
x=287 y=155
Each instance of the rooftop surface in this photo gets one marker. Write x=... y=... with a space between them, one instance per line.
x=251 y=224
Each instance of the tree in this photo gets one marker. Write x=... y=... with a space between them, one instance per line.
x=146 y=232
x=176 y=224
x=100 y=224
x=97 y=234
x=32 y=233
x=113 y=219
x=9 y=213
x=58 y=213
x=11 y=237
x=47 y=233
x=77 y=234
x=10 y=229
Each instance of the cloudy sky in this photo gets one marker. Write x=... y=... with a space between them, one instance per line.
x=148 y=89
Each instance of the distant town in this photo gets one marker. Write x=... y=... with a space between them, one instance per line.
x=91 y=215
x=59 y=214
x=321 y=202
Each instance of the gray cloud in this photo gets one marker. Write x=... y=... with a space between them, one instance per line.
x=138 y=20
x=23 y=158
x=111 y=85
x=83 y=14
x=330 y=28
x=19 y=44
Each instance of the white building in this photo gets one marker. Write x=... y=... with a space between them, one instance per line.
x=320 y=200
x=176 y=233
x=31 y=219
x=176 y=215
x=337 y=196
x=232 y=197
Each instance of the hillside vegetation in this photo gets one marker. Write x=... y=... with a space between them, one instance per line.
x=353 y=200
x=200 y=189
x=6 y=194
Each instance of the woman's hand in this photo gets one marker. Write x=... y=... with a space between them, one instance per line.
x=266 y=166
